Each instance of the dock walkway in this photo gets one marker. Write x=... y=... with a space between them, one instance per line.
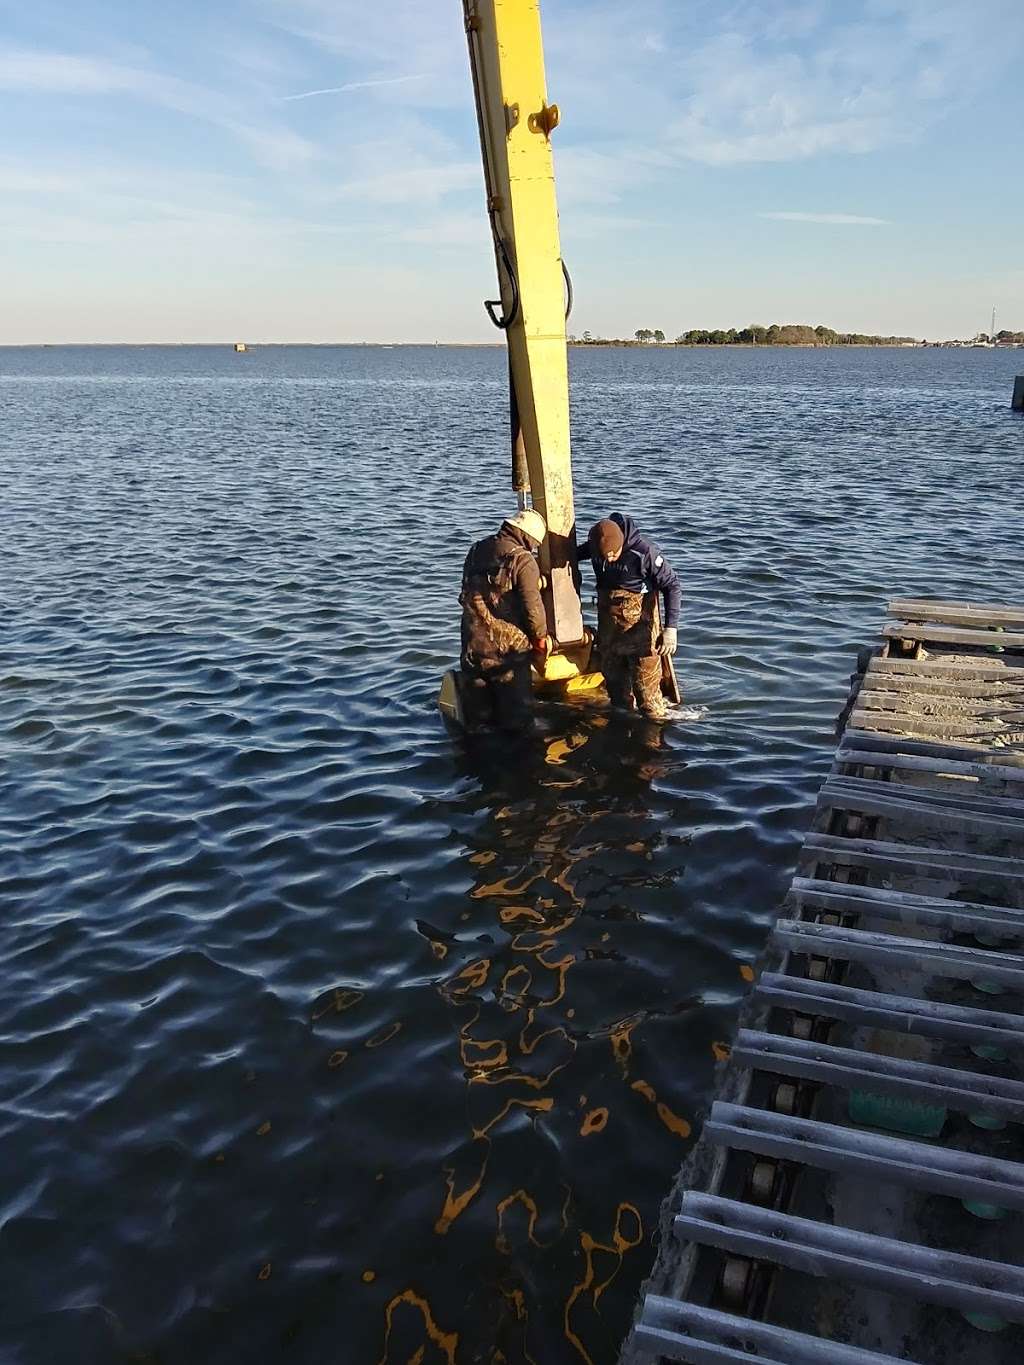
x=856 y=1196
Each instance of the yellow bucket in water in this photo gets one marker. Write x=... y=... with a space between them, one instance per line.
x=585 y=682
x=557 y=668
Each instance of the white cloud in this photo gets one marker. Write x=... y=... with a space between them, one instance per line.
x=47 y=73
x=746 y=82
x=57 y=73
x=822 y=80
x=353 y=85
x=385 y=41
x=851 y=219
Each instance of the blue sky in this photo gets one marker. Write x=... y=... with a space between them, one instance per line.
x=309 y=170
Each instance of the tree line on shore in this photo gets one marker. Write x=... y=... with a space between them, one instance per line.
x=789 y=334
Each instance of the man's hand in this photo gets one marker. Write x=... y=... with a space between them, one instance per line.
x=669 y=641
x=542 y=648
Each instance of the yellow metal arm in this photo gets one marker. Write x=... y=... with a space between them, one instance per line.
x=516 y=122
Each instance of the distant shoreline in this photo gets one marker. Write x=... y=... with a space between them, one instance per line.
x=230 y=345
x=623 y=345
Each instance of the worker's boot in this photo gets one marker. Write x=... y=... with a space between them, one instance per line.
x=647 y=687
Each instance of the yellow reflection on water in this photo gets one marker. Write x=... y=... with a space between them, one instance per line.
x=446 y=1342
x=622 y=1241
x=337 y=1002
x=672 y=1121
x=456 y=1202
x=594 y=1122
x=516 y=1032
x=385 y=1036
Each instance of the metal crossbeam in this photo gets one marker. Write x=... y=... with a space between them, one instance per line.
x=935 y=959
x=898 y=1013
x=940 y=1170
x=847 y=898
x=966 y=1283
x=854 y=1069
x=704 y=1336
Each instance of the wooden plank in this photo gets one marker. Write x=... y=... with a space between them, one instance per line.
x=878 y=742
x=961 y=796
x=955 y=613
x=902 y=812
x=993 y=690
x=995 y=669
x=987 y=774
x=954 y=635
x=923 y=726
x=918 y=703
x=936 y=864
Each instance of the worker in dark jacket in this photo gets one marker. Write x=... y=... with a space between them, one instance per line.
x=504 y=625
x=633 y=577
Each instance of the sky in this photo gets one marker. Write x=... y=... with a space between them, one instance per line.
x=309 y=170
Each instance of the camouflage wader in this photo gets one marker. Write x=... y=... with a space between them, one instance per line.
x=496 y=682
x=628 y=627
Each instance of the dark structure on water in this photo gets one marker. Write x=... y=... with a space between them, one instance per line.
x=856 y=1196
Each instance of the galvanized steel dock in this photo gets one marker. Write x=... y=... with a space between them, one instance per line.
x=856 y=1195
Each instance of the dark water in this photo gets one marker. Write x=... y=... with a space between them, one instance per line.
x=322 y=1038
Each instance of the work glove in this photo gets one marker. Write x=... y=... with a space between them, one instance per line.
x=543 y=647
x=669 y=642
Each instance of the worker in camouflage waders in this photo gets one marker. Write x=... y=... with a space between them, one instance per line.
x=504 y=625
x=632 y=578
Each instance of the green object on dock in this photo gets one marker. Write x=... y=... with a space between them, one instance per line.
x=986 y=987
x=991 y=1123
x=992 y=1213
x=896 y=1115
x=997 y=649
x=986 y=1322
x=989 y=1053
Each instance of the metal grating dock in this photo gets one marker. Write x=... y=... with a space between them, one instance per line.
x=857 y=1194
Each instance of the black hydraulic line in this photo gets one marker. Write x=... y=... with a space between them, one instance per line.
x=506 y=320
x=568 y=291
x=501 y=320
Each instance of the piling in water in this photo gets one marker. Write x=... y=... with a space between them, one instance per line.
x=1017 y=402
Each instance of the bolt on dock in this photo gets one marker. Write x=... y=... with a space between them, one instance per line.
x=856 y=1195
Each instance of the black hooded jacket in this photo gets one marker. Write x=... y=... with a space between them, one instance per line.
x=640 y=568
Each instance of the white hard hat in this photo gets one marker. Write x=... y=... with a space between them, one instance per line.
x=530 y=522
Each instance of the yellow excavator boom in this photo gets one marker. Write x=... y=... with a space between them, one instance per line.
x=516 y=123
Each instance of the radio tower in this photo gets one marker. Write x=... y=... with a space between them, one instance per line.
x=992 y=334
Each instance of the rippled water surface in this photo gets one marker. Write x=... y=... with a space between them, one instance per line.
x=323 y=1037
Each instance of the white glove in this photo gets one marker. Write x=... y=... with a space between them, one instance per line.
x=669 y=642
